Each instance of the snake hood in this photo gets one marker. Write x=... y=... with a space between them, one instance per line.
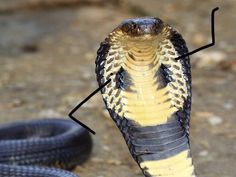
x=149 y=93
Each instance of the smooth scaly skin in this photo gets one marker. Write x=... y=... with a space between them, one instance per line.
x=26 y=148
x=149 y=96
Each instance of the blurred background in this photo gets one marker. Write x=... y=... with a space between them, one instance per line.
x=47 y=54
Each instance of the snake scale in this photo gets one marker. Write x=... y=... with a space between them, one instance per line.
x=27 y=147
x=148 y=96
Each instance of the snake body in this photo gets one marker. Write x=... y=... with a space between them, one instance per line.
x=26 y=148
x=149 y=94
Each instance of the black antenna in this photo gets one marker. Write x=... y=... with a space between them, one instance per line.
x=84 y=101
x=212 y=36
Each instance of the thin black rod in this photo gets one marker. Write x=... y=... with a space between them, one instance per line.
x=84 y=101
x=212 y=36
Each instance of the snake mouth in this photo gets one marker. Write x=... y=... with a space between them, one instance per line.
x=141 y=27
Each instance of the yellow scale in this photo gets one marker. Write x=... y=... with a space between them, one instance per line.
x=146 y=104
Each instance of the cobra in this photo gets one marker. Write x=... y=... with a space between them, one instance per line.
x=149 y=94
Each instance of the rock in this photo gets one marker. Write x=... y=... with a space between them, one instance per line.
x=13 y=104
x=30 y=48
x=228 y=65
x=215 y=120
x=208 y=59
x=97 y=160
x=49 y=113
x=106 y=148
x=204 y=114
x=114 y=162
x=228 y=105
x=203 y=153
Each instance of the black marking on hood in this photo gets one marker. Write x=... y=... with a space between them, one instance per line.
x=163 y=76
x=123 y=80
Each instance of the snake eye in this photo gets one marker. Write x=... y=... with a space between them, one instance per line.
x=134 y=28
x=126 y=27
x=158 y=26
x=130 y=27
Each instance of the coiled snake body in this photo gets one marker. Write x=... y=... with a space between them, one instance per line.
x=27 y=147
x=149 y=95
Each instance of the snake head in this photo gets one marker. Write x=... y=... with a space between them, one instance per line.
x=141 y=26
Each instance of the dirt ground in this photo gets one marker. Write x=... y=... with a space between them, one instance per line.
x=47 y=66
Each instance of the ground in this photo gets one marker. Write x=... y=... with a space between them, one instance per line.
x=47 y=66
